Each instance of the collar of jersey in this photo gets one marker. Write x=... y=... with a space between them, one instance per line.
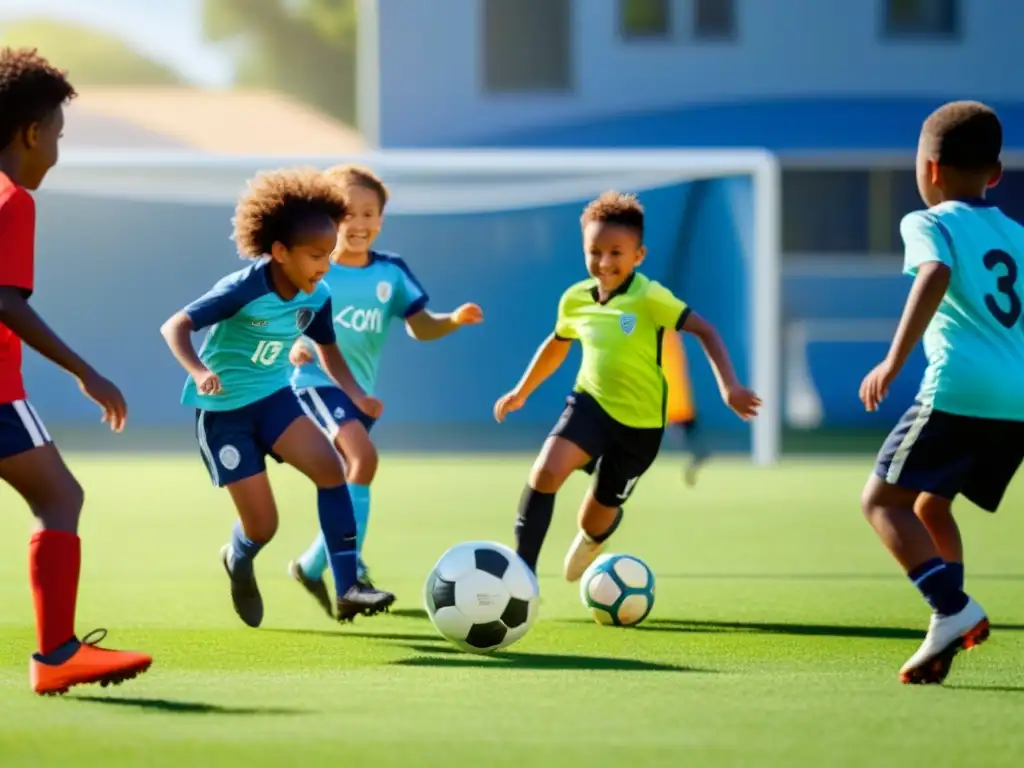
x=975 y=202
x=372 y=258
x=595 y=292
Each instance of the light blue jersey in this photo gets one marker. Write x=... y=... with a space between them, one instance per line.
x=252 y=330
x=365 y=300
x=975 y=342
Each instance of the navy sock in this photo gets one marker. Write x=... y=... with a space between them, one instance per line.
x=602 y=538
x=956 y=571
x=243 y=552
x=532 y=523
x=938 y=586
x=338 y=524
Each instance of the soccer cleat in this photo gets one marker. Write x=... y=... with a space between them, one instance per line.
x=316 y=587
x=83 y=662
x=363 y=600
x=946 y=636
x=583 y=551
x=245 y=593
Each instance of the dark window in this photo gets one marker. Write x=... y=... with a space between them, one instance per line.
x=644 y=19
x=922 y=19
x=714 y=19
x=527 y=45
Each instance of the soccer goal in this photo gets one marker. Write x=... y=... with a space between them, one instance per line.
x=498 y=227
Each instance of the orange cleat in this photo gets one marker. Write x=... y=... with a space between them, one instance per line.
x=80 y=663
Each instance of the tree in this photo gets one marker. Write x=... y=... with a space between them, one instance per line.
x=91 y=57
x=305 y=48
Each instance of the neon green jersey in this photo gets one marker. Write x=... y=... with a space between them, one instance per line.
x=621 y=340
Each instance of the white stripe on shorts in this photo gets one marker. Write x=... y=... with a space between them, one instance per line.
x=39 y=421
x=204 y=448
x=902 y=453
x=36 y=432
x=326 y=421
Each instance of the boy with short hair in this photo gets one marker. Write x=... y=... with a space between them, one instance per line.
x=614 y=421
x=32 y=96
x=964 y=434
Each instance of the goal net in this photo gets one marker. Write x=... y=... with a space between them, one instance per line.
x=145 y=233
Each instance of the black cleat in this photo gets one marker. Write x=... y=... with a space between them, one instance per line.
x=316 y=587
x=363 y=600
x=245 y=593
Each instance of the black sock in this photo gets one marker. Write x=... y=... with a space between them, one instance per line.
x=535 y=511
x=939 y=587
x=956 y=570
x=603 y=537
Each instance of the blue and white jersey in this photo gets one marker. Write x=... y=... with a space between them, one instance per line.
x=365 y=300
x=252 y=330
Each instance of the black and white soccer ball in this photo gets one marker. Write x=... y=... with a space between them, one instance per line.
x=481 y=596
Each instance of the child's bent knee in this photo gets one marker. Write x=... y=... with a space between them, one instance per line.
x=61 y=508
x=546 y=480
x=362 y=468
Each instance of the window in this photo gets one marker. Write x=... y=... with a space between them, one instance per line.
x=527 y=45
x=645 y=19
x=922 y=19
x=714 y=19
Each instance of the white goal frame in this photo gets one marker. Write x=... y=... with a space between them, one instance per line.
x=186 y=176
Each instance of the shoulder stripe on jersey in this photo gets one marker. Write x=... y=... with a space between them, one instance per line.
x=398 y=261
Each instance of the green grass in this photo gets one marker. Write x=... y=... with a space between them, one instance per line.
x=779 y=628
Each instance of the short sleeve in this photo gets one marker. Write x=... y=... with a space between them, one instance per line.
x=925 y=238
x=666 y=309
x=17 y=241
x=225 y=299
x=565 y=330
x=410 y=296
x=321 y=329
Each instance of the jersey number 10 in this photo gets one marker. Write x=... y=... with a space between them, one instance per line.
x=1006 y=285
x=267 y=352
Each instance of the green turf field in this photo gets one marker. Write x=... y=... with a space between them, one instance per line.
x=778 y=631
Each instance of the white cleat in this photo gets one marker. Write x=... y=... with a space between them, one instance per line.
x=947 y=635
x=583 y=551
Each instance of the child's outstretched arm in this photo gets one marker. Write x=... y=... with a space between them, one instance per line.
x=742 y=400
x=177 y=332
x=428 y=326
x=926 y=295
x=549 y=357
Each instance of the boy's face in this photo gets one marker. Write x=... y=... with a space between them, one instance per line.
x=309 y=258
x=41 y=140
x=363 y=221
x=612 y=253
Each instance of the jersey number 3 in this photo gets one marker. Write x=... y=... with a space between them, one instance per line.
x=1006 y=285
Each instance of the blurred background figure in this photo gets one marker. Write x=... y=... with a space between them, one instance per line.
x=681 y=411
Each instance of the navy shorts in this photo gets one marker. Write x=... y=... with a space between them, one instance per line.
x=620 y=454
x=945 y=454
x=330 y=408
x=234 y=444
x=21 y=429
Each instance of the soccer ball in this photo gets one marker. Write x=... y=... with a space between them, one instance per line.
x=481 y=596
x=618 y=590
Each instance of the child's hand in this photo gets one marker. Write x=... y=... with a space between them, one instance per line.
x=208 y=383
x=108 y=397
x=743 y=401
x=369 y=405
x=300 y=353
x=468 y=314
x=875 y=387
x=507 y=404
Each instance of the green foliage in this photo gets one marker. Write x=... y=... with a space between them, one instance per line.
x=305 y=48
x=91 y=57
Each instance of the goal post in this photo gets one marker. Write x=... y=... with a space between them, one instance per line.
x=481 y=219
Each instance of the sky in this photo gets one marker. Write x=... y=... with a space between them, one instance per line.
x=166 y=30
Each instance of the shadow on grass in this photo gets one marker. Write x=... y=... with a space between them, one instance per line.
x=186 y=707
x=446 y=656
x=341 y=633
x=810 y=576
x=773 y=628
x=408 y=613
x=987 y=688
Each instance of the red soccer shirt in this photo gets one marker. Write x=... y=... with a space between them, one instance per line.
x=17 y=260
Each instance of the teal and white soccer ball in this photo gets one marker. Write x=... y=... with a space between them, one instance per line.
x=481 y=596
x=618 y=590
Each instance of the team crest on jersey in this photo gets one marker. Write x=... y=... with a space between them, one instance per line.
x=303 y=318
x=627 y=322
x=383 y=292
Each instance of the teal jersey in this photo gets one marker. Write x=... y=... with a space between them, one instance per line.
x=365 y=300
x=975 y=341
x=251 y=332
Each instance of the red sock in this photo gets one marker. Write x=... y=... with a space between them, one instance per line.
x=55 y=558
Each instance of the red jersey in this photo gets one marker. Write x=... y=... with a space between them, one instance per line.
x=17 y=267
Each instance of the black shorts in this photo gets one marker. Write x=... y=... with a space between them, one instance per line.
x=945 y=454
x=619 y=454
